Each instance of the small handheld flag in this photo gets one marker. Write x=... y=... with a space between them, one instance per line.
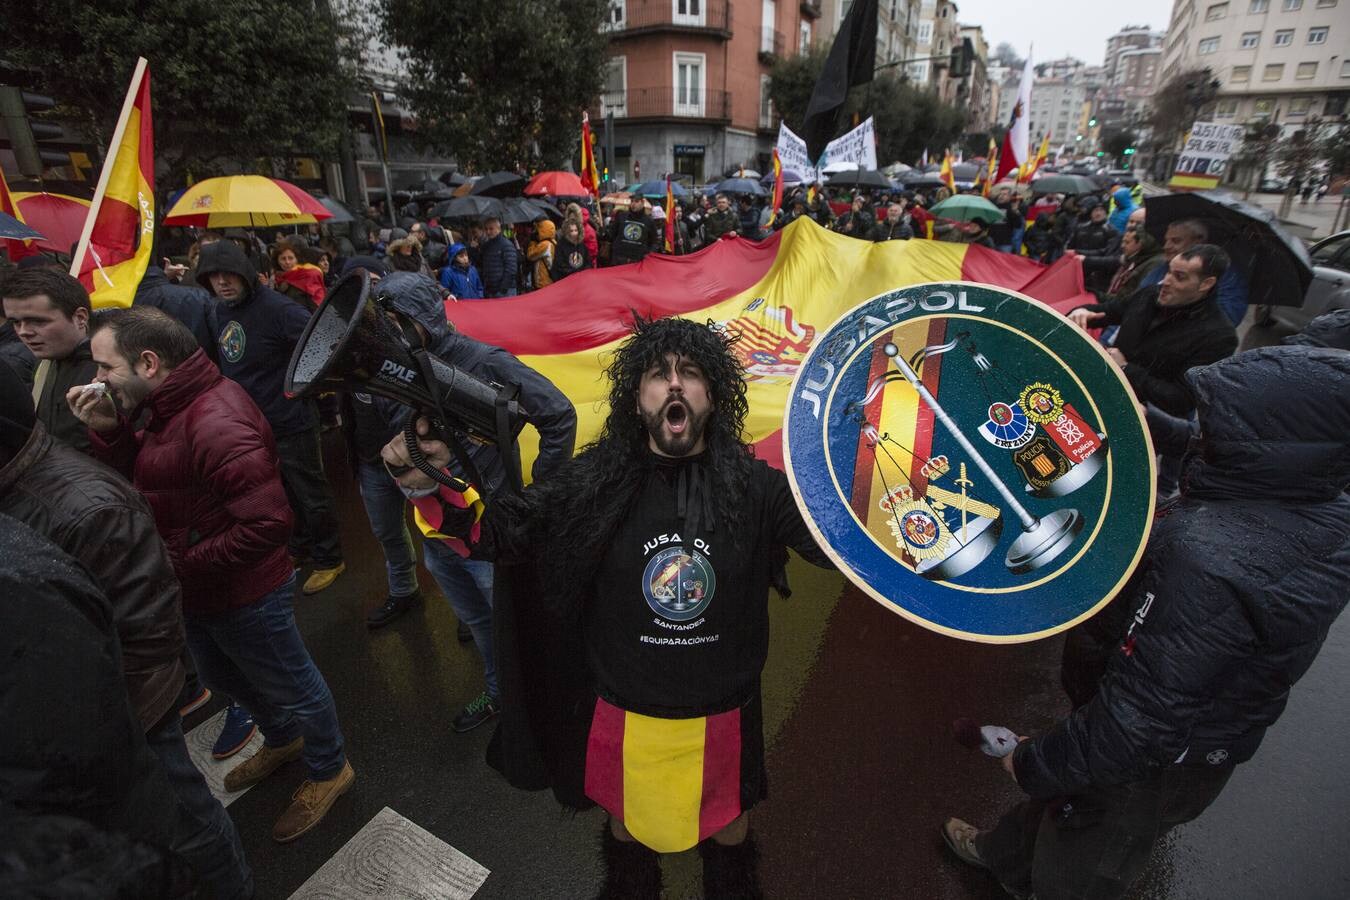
x=777 y=188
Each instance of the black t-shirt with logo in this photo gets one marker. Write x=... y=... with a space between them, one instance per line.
x=678 y=625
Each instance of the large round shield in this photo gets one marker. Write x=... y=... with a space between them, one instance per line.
x=971 y=460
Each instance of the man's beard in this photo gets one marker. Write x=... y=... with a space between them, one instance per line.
x=676 y=411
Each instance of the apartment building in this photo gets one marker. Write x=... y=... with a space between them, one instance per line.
x=980 y=95
x=897 y=27
x=1276 y=61
x=1059 y=105
x=938 y=33
x=688 y=83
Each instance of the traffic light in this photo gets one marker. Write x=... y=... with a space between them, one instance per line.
x=962 y=54
x=1129 y=151
x=24 y=134
x=1092 y=122
x=1101 y=153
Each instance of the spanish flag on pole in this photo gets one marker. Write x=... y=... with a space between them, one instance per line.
x=590 y=175
x=948 y=178
x=991 y=171
x=17 y=249
x=1038 y=160
x=777 y=294
x=118 y=237
x=777 y=188
x=670 y=217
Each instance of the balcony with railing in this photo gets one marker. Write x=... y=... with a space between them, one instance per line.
x=633 y=17
x=770 y=45
x=666 y=103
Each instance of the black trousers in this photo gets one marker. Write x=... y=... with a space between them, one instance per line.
x=316 y=527
x=1092 y=846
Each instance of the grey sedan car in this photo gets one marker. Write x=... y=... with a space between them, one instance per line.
x=1330 y=287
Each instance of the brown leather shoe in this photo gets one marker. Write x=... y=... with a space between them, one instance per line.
x=311 y=803
x=320 y=579
x=261 y=764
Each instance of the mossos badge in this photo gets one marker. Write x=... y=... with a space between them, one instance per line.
x=971 y=461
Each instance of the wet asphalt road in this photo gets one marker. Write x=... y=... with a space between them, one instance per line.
x=862 y=770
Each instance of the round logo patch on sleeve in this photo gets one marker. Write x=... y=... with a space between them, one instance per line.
x=971 y=460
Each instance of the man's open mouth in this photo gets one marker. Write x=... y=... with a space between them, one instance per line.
x=677 y=417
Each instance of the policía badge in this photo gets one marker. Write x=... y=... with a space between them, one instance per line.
x=970 y=461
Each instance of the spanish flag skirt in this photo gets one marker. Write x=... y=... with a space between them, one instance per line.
x=675 y=782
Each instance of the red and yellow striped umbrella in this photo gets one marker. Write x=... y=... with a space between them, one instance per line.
x=245 y=201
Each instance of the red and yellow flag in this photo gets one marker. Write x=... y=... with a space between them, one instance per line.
x=991 y=171
x=1037 y=161
x=948 y=178
x=777 y=188
x=118 y=237
x=777 y=294
x=670 y=216
x=590 y=175
x=17 y=249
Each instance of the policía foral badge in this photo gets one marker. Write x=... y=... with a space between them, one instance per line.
x=970 y=460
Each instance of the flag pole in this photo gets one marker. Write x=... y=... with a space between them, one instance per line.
x=106 y=173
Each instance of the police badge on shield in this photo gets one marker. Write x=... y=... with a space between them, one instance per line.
x=970 y=461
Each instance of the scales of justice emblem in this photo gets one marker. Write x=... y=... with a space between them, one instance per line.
x=943 y=549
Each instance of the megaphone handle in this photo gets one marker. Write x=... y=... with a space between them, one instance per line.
x=419 y=459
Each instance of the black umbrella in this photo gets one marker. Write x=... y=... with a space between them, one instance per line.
x=499 y=184
x=470 y=207
x=864 y=178
x=431 y=189
x=452 y=179
x=1063 y=184
x=340 y=212
x=527 y=209
x=1277 y=265
x=964 y=171
x=924 y=179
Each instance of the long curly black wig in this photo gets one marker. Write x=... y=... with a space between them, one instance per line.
x=587 y=500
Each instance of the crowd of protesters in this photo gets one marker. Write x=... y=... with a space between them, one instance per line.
x=156 y=446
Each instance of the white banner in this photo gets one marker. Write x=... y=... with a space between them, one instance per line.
x=858 y=146
x=793 y=155
x=1208 y=147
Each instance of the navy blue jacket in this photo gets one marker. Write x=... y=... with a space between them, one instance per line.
x=191 y=305
x=1243 y=576
x=498 y=267
x=255 y=338
x=543 y=405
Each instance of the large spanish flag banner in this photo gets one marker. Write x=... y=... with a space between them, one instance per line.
x=776 y=294
x=114 y=250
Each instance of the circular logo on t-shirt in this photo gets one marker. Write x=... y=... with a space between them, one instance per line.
x=678 y=585
x=232 y=342
x=970 y=460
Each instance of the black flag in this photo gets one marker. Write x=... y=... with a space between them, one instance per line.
x=851 y=61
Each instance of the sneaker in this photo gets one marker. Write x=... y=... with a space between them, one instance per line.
x=463 y=634
x=195 y=704
x=392 y=608
x=261 y=764
x=960 y=837
x=311 y=803
x=323 y=578
x=476 y=713
x=238 y=730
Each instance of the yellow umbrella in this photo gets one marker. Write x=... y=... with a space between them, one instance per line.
x=245 y=201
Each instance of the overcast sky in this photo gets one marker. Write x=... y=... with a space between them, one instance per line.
x=1060 y=27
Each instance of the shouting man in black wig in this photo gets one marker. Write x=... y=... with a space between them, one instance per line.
x=671 y=534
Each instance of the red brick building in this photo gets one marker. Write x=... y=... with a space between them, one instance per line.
x=688 y=83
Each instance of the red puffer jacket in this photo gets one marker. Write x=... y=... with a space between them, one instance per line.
x=207 y=464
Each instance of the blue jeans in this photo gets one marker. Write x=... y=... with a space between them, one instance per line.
x=204 y=835
x=385 y=505
x=255 y=654
x=467 y=584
